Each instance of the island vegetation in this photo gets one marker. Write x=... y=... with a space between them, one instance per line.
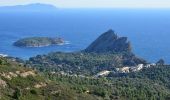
x=38 y=42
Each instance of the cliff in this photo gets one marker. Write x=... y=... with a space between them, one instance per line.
x=109 y=42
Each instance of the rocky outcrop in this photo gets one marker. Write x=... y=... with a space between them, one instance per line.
x=109 y=42
x=11 y=75
x=3 y=84
x=28 y=73
x=40 y=85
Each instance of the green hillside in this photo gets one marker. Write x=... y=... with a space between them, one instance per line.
x=20 y=83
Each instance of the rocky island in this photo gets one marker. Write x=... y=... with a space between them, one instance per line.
x=38 y=42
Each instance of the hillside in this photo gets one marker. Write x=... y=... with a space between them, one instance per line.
x=83 y=63
x=20 y=83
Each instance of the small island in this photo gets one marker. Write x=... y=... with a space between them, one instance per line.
x=38 y=42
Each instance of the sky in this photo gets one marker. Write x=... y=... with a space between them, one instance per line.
x=94 y=3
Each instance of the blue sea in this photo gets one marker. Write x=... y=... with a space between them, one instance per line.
x=147 y=29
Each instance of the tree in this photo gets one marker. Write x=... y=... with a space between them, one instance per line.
x=1 y=62
x=17 y=94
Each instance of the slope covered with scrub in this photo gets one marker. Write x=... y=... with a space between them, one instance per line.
x=20 y=83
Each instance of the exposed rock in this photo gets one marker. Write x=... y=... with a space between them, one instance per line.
x=11 y=75
x=17 y=72
x=6 y=75
x=56 y=92
x=103 y=73
x=28 y=73
x=129 y=69
x=28 y=88
x=123 y=70
x=2 y=83
x=40 y=85
x=109 y=42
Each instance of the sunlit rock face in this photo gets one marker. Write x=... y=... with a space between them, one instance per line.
x=109 y=42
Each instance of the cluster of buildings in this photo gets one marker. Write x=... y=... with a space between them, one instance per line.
x=134 y=68
x=125 y=69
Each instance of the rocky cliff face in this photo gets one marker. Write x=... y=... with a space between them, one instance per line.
x=109 y=42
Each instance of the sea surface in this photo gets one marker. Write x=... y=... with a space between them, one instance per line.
x=147 y=29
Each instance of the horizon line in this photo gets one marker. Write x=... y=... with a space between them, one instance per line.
x=116 y=7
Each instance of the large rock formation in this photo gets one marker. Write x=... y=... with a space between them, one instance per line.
x=109 y=42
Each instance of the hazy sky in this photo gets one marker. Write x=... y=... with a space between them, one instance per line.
x=94 y=3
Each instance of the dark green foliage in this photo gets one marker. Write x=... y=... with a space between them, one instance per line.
x=38 y=41
x=1 y=62
x=17 y=94
x=33 y=91
x=100 y=92
x=23 y=88
x=160 y=75
x=148 y=84
x=124 y=88
x=82 y=63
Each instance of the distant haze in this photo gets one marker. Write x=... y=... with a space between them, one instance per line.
x=94 y=3
x=29 y=7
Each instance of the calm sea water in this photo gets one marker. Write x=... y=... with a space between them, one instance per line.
x=147 y=29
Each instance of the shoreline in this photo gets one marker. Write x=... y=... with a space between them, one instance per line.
x=60 y=44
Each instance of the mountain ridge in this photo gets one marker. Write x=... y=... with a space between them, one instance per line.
x=109 y=42
x=29 y=7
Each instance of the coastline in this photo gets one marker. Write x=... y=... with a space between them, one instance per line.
x=39 y=46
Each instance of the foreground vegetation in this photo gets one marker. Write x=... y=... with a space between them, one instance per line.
x=148 y=84
x=151 y=84
x=33 y=86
